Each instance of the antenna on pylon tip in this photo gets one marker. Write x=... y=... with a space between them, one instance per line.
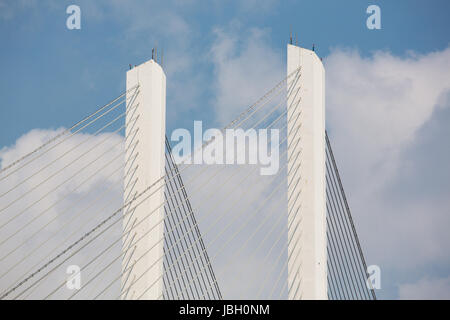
x=290 y=34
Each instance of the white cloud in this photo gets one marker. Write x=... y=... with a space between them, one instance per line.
x=245 y=68
x=71 y=188
x=426 y=288
x=376 y=105
x=378 y=112
x=242 y=218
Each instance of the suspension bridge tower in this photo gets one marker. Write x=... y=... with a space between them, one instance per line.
x=307 y=253
x=145 y=163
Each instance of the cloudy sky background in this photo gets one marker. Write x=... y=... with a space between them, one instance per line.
x=387 y=97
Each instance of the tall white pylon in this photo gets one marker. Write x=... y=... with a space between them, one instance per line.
x=145 y=161
x=307 y=247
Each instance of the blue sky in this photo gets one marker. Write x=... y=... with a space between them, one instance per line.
x=51 y=77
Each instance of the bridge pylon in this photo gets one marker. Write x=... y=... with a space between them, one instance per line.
x=145 y=163
x=307 y=246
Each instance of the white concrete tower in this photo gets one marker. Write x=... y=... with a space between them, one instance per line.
x=307 y=249
x=145 y=150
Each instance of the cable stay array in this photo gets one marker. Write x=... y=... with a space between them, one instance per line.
x=347 y=269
